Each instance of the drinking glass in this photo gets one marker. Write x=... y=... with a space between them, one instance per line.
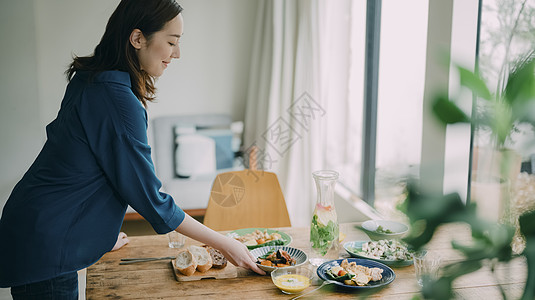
x=176 y=240
x=426 y=266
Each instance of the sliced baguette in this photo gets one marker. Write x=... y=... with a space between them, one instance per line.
x=218 y=260
x=186 y=262
x=202 y=256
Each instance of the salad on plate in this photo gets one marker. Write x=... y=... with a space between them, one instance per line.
x=389 y=252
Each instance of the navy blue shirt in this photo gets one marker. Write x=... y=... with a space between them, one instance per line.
x=67 y=210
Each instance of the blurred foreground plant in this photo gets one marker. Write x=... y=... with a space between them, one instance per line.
x=491 y=242
x=490 y=245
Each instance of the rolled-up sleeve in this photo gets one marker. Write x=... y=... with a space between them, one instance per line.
x=115 y=123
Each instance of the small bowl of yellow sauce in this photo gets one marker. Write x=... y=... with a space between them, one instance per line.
x=292 y=280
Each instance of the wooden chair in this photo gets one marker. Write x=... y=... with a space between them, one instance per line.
x=244 y=199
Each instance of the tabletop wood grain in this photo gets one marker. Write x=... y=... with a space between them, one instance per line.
x=155 y=280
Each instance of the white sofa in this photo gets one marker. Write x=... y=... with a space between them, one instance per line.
x=192 y=193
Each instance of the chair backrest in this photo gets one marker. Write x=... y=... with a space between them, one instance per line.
x=245 y=199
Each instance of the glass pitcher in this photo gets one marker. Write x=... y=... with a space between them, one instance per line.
x=324 y=226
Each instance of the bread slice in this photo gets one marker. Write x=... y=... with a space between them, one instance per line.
x=218 y=260
x=203 y=258
x=186 y=262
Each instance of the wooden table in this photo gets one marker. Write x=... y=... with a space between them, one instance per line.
x=151 y=280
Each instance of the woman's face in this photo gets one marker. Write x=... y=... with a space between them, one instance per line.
x=156 y=53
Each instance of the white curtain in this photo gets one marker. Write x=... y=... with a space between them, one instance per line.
x=341 y=85
x=293 y=92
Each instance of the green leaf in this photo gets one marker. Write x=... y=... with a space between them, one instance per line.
x=418 y=241
x=267 y=254
x=527 y=227
x=520 y=86
x=439 y=289
x=429 y=211
x=461 y=268
x=477 y=250
x=425 y=206
x=496 y=243
x=448 y=112
x=527 y=224
x=474 y=83
x=322 y=236
x=501 y=238
x=519 y=91
x=529 y=253
x=503 y=121
x=332 y=276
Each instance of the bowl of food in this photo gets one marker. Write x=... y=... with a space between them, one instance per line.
x=270 y=258
x=292 y=280
x=384 y=229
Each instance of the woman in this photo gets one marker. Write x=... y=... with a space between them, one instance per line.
x=67 y=210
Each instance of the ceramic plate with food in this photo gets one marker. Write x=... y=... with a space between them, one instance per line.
x=260 y=237
x=384 y=229
x=356 y=273
x=389 y=252
x=270 y=258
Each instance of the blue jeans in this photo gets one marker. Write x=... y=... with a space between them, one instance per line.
x=64 y=287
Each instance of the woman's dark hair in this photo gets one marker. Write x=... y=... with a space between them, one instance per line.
x=114 y=52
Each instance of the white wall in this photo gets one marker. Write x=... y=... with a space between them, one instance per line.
x=212 y=75
x=21 y=133
x=39 y=38
x=63 y=29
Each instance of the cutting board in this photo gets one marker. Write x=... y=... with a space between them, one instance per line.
x=230 y=271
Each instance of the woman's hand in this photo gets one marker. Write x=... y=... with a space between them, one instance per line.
x=122 y=240
x=238 y=254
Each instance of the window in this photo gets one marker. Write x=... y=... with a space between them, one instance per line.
x=401 y=77
x=507 y=33
x=343 y=85
x=403 y=61
x=400 y=98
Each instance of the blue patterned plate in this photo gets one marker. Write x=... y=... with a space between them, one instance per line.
x=388 y=274
x=299 y=256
